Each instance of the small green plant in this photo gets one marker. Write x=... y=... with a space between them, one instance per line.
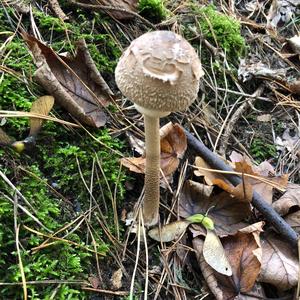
x=220 y=29
x=153 y=10
x=260 y=150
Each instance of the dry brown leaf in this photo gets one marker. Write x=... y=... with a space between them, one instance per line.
x=294 y=220
x=245 y=266
x=42 y=106
x=209 y=273
x=209 y=176
x=264 y=172
x=173 y=145
x=280 y=265
x=94 y=281
x=226 y=211
x=134 y=164
x=75 y=82
x=289 y=199
x=116 y=279
x=123 y=5
x=242 y=252
x=243 y=191
x=169 y=232
x=295 y=87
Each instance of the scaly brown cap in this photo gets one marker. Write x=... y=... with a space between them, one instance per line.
x=159 y=71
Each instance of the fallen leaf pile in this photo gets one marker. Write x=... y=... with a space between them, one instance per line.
x=240 y=252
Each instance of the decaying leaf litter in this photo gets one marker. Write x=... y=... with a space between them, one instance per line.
x=240 y=101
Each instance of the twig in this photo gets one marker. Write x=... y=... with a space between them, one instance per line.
x=57 y=10
x=114 y=293
x=258 y=201
x=61 y=240
x=234 y=118
x=46 y=282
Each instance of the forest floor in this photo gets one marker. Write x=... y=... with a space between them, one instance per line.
x=70 y=221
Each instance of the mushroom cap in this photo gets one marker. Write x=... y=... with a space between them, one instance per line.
x=159 y=71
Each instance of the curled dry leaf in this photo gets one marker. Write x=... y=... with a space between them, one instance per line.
x=289 y=199
x=226 y=211
x=121 y=7
x=256 y=69
x=294 y=86
x=75 y=82
x=173 y=145
x=204 y=170
x=294 y=220
x=266 y=180
x=280 y=265
x=243 y=192
x=169 y=232
x=294 y=43
x=244 y=254
x=209 y=273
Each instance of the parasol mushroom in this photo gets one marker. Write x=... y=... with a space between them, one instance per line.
x=160 y=73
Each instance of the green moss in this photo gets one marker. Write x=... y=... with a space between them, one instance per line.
x=153 y=10
x=59 y=159
x=221 y=30
x=261 y=151
x=48 y=22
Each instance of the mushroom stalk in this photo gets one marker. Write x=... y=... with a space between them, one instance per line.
x=160 y=73
x=152 y=173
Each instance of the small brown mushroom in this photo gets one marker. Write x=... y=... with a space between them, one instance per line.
x=160 y=73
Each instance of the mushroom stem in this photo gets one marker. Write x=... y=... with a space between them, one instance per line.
x=152 y=173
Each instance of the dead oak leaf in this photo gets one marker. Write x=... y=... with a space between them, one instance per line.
x=173 y=145
x=289 y=199
x=75 y=82
x=280 y=265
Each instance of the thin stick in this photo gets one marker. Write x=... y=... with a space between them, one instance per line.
x=137 y=257
x=22 y=114
x=17 y=230
x=258 y=201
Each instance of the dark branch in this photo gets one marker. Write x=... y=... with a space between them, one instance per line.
x=258 y=202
